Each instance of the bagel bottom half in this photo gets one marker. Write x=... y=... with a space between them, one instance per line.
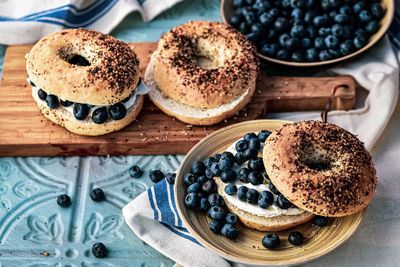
x=260 y=223
x=192 y=115
x=67 y=120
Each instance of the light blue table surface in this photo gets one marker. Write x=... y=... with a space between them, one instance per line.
x=31 y=223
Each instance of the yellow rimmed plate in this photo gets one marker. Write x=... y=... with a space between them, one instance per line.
x=247 y=247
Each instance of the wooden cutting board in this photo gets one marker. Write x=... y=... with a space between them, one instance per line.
x=25 y=132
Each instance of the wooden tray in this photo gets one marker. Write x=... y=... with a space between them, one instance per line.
x=247 y=248
x=25 y=132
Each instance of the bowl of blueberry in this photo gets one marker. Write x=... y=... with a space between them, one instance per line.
x=309 y=32
x=202 y=202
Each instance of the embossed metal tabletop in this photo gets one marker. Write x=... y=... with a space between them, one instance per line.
x=35 y=231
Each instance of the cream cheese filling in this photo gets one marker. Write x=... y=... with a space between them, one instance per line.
x=254 y=209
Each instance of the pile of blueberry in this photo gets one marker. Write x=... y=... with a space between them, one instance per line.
x=81 y=111
x=307 y=30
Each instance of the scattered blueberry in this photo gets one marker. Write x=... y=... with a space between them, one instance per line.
x=52 y=101
x=215 y=169
x=229 y=231
x=189 y=179
x=255 y=178
x=117 y=111
x=250 y=154
x=99 y=250
x=97 y=194
x=217 y=157
x=66 y=103
x=231 y=218
x=170 y=177
x=209 y=161
x=202 y=179
x=204 y=205
x=249 y=136
x=263 y=135
x=241 y=193
x=192 y=200
x=81 y=111
x=194 y=188
x=265 y=199
x=243 y=175
x=209 y=174
x=228 y=176
x=231 y=189
x=241 y=145
x=100 y=115
x=254 y=144
x=252 y=196
x=256 y=164
x=271 y=241
x=217 y=213
x=156 y=176
x=209 y=187
x=240 y=158
x=227 y=161
x=269 y=50
x=321 y=221
x=296 y=238
x=283 y=203
x=216 y=200
x=215 y=226
x=273 y=189
x=198 y=167
x=42 y=94
x=63 y=201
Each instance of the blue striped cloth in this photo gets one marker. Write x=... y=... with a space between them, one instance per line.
x=23 y=22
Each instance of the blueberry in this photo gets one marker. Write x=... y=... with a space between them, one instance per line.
x=309 y=4
x=201 y=195
x=283 y=54
x=202 y=179
x=198 y=167
x=269 y=50
x=250 y=18
x=321 y=221
x=217 y=213
x=228 y=176
x=170 y=177
x=324 y=55
x=192 y=200
x=346 y=47
x=271 y=241
x=377 y=11
x=255 y=178
x=231 y=189
x=341 y=19
x=31 y=83
x=226 y=163
x=156 y=176
x=209 y=187
x=358 y=7
x=365 y=16
x=331 y=41
x=90 y=106
x=99 y=250
x=298 y=3
x=63 y=201
x=241 y=145
x=241 y=193
x=257 y=29
x=231 y=218
x=296 y=238
x=347 y=32
x=256 y=164
x=209 y=161
x=66 y=103
x=293 y=44
x=320 y=21
x=208 y=173
x=297 y=56
x=346 y=10
x=250 y=154
x=254 y=143
x=243 y=28
x=283 y=203
x=298 y=31
x=117 y=111
x=335 y=3
x=97 y=194
x=263 y=135
x=215 y=169
x=306 y=43
x=249 y=136
x=135 y=171
x=81 y=111
x=281 y=24
x=266 y=175
x=243 y=175
x=325 y=5
x=296 y=14
x=252 y=37
x=215 y=226
x=324 y=32
x=217 y=157
x=359 y=41
x=266 y=199
x=239 y=158
x=309 y=16
x=372 y=27
x=335 y=53
x=360 y=32
x=283 y=39
x=266 y=19
x=236 y=19
x=189 y=179
x=215 y=200
x=311 y=32
x=79 y=61
x=250 y=2
x=273 y=189
x=337 y=30
x=285 y=3
x=100 y=115
x=42 y=94
x=52 y=101
x=239 y=3
x=319 y=43
x=204 y=205
x=252 y=196
x=274 y=12
x=229 y=231
x=194 y=188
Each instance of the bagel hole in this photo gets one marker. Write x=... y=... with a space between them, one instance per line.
x=78 y=60
x=207 y=54
x=319 y=166
x=207 y=63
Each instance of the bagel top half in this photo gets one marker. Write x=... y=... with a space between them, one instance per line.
x=205 y=64
x=343 y=184
x=111 y=76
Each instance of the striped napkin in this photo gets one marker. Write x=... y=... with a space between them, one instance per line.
x=153 y=215
x=24 y=22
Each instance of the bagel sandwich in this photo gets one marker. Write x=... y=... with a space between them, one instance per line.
x=85 y=81
x=202 y=72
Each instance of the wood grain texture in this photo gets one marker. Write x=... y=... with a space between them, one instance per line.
x=247 y=248
x=25 y=132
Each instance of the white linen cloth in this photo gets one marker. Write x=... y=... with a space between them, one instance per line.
x=25 y=22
